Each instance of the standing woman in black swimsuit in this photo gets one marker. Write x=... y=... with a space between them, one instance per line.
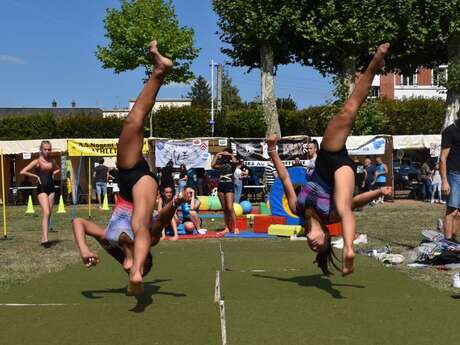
x=45 y=170
x=225 y=162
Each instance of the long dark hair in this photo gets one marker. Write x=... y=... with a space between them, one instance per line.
x=326 y=256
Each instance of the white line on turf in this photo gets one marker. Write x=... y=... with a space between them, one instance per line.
x=223 y=325
x=222 y=259
x=217 y=288
x=33 y=304
x=218 y=297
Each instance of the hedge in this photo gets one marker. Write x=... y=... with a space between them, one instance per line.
x=409 y=116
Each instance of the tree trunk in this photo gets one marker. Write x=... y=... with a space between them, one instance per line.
x=347 y=78
x=453 y=97
x=268 y=90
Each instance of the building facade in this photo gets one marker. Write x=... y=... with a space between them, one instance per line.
x=159 y=103
x=425 y=83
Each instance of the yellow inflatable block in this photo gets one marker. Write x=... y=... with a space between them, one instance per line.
x=204 y=203
x=284 y=230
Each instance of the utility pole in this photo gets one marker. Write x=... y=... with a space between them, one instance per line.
x=212 y=122
x=219 y=87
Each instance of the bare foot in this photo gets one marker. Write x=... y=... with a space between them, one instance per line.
x=174 y=238
x=226 y=230
x=135 y=285
x=162 y=64
x=236 y=231
x=348 y=258
x=378 y=61
x=89 y=259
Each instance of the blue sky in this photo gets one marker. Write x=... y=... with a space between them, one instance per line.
x=47 y=52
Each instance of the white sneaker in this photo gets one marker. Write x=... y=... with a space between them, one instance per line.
x=393 y=259
x=361 y=239
x=338 y=244
x=298 y=238
x=456 y=280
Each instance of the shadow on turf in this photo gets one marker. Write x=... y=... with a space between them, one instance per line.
x=316 y=280
x=143 y=301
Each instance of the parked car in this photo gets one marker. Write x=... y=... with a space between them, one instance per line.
x=406 y=176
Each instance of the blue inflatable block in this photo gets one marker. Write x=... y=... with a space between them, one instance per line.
x=210 y=215
x=245 y=234
x=278 y=201
x=181 y=229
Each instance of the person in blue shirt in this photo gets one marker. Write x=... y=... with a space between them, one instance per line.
x=381 y=173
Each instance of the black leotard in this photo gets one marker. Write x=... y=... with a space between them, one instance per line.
x=46 y=179
x=127 y=178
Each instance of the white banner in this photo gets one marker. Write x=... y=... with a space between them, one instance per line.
x=375 y=147
x=192 y=153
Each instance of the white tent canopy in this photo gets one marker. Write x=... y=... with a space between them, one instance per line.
x=400 y=142
x=355 y=141
x=407 y=142
x=12 y=147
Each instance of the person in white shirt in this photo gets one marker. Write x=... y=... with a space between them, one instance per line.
x=238 y=176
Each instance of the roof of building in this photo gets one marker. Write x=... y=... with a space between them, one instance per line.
x=69 y=111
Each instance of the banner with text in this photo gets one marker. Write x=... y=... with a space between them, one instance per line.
x=374 y=147
x=254 y=152
x=192 y=153
x=96 y=147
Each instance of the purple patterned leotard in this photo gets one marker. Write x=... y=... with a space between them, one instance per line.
x=315 y=194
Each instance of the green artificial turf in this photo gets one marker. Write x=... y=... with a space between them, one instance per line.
x=273 y=295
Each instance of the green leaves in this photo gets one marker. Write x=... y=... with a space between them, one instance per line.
x=184 y=122
x=245 y=25
x=200 y=94
x=131 y=28
x=40 y=126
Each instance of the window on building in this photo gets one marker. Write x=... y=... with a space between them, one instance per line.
x=409 y=80
x=374 y=92
x=439 y=75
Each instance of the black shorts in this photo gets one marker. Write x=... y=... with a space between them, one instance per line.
x=328 y=162
x=127 y=178
x=45 y=188
x=226 y=187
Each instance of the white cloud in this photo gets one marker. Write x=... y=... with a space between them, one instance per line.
x=12 y=60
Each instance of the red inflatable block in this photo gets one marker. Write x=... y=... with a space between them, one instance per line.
x=335 y=229
x=261 y=223
x=242 y=223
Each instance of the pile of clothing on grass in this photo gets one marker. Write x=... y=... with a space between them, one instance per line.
x=435 y=250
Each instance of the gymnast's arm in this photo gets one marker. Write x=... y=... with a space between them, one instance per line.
x=166 y=214
x=363 y=199
x=282 y=173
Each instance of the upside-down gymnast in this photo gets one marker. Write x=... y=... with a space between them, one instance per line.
x=138 y=186
x=328 y=196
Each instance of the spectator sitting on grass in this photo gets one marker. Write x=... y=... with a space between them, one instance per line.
x=190 y=217
x=171 y=230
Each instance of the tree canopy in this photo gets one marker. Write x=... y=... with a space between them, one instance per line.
x=130 y=29
x=200 y=93
x=230 y=93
